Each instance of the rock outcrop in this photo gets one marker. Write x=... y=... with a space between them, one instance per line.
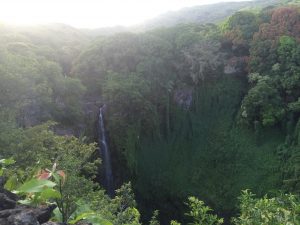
x=236 y=65
x=183 y=98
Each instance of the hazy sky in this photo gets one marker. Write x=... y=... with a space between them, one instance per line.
x=90 y=13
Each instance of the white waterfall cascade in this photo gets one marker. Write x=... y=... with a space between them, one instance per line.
x=104 y=151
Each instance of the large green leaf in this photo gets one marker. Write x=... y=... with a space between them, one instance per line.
x=35 y=185
x=50 y=193
x=25 y=202
x=91 y=217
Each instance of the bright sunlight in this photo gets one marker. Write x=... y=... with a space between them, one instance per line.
x=89 y=13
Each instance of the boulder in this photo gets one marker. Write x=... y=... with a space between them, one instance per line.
x=183 y=97
x=52 y=223
x=23 y=218
x=83 y=222
x=43 y=213
x=236 y=65
x=6 y=202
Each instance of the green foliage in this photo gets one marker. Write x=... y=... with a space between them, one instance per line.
x=35 y=185
x=119 y=210
x=245 y=21
x=4 y=163
x=33 y=84
x=73 y=207
x=41 y=148
x=275 y=55
x=125 y=206
x=239 y=30
x=283 y=21
x=154 y=219
x=38 y=192
x=38 y=147
x=171 y=116
x=203 y=58
x=282 y=209
x=263 y=102
x=83 y=212
x=91 y=217
x=201 y=214
x=41 y=190
x=137 y=75
x=173 y=222
x=204 y=148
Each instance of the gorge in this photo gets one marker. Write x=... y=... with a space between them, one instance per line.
x=192 y=121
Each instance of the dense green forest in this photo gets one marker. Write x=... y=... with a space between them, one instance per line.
x=202 y=119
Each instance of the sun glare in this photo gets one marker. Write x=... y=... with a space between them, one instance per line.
x=88 y=13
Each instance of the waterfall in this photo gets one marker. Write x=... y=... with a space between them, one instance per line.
x=104 y=151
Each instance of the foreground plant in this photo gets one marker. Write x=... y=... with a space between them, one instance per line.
x=41 y=189
x=4 y=163
x=47 y=188
x=201 y=214
x=282 y=209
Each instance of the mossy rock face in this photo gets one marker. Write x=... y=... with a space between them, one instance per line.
x=207 y=154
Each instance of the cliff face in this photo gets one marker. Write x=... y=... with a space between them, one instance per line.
x=206 y=154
